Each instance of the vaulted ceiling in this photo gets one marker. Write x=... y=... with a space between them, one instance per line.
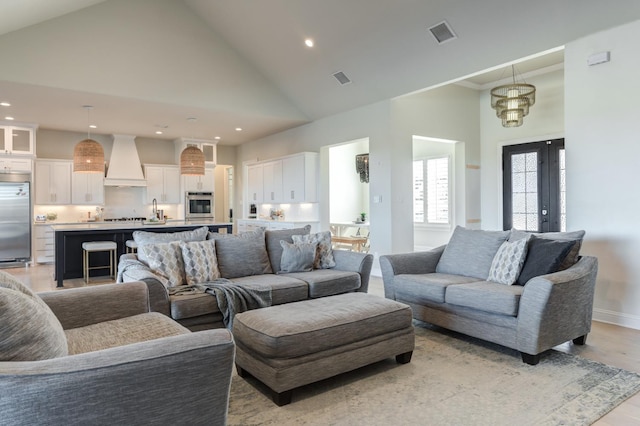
x=149 y=65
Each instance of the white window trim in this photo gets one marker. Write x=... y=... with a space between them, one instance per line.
x=450 y=195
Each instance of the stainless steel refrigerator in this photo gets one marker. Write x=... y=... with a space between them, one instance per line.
x=15 y=218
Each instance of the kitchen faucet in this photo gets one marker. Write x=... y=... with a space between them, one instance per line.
x=155 y=207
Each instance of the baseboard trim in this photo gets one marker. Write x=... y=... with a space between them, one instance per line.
x=617 y=318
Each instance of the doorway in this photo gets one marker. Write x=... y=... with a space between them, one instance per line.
x=534 y=191
x=223 y=193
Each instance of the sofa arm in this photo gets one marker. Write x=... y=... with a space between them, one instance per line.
x=557 y=307
x=181 y=379
x=131 y=269
x=355 y=262
x=423 y=262
x=78 y=307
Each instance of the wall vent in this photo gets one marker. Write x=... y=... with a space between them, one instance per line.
x=342 y=78
x=442 y=32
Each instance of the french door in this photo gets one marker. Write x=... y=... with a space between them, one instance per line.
x=533 y=182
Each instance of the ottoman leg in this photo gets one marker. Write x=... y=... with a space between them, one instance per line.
x=242 y=372
x=282 y=398
x=404 y=358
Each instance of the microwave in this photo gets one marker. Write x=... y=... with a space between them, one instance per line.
x=198 y=205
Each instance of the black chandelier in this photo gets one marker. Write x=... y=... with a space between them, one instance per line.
x=362 y=167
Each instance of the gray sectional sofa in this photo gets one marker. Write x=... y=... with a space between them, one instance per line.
x=526 y=292
x=251 y=259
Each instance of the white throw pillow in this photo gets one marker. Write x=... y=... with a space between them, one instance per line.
x=508 y=261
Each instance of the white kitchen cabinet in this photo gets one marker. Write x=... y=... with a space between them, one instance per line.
x=87 y=188
x=163 y=184
x=272 y=182
x=204 y=183
x=44 y=244
x=208 y=147
x=53 y=181
x=12 y=164
x=15 y=140
x=299 y=178
x=255 y=183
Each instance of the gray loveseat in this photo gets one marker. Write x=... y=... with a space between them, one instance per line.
x=550 y=302
x=251 y=258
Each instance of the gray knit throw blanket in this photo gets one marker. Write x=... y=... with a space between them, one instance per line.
x=232 y=298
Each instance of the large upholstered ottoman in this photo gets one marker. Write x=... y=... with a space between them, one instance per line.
x=294 y=344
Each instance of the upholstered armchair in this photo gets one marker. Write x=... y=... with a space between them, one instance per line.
x=96 y=355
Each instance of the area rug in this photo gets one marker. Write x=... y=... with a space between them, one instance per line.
x=451 y=380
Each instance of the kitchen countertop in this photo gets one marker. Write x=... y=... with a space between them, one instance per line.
x=128 y=225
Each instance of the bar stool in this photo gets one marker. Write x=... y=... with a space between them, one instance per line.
x=98 y=246
x=132 y=246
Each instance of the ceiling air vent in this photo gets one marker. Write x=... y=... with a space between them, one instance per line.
x=342 y=78
x=442 y=32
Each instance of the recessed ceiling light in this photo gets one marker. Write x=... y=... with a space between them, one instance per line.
x=8 y=118
x=238 y=129
x=158 y=132
x=217 y=138
x=5 y=104
x=308 y=42
x=93 y=126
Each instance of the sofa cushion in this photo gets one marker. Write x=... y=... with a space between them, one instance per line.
x=274 y=249
x=471 y=252
x=544 y=257
x=30 y=331
x=284 y=288
x=192 y=305
x=420 y=288
x=327 y=282
x=145 y=237
x=165 y=259
x=508 y=262
x=324 y=253
x=120 y=332
x=200 y=262
x=242 y=254
x=486 y=296
x=575 y=236
x=297 y=257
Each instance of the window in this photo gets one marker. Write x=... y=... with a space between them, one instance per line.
x=431 y=191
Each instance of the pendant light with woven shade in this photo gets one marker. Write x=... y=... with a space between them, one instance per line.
x=88 y=155
x=192 y=159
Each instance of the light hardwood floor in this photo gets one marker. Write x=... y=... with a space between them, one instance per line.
x=607 y=343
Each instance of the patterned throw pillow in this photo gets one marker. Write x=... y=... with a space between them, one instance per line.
x=297 y=257
x=166 y=259
x=30 y=331
x=324 y=254
x=508 y=261
x=200 y=263
x=145 y=237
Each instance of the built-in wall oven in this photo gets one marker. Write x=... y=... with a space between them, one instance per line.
x=198 y=205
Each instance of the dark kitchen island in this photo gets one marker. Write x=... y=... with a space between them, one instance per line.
x=69 y=239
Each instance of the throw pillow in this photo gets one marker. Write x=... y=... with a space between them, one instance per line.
x=470 y=252
x=30 y=331
x=508 y=262
x=273 y=238
x=242 y=255
x=544 y=256
x=297 y=257
x=166 y=259
x=145 y=237
x=200 y=263
x=575 y=236
x=324 y=253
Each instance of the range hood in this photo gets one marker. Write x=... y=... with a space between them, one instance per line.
x=124 y=165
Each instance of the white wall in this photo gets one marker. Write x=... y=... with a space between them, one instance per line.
x=603 y=166
x=348 y=197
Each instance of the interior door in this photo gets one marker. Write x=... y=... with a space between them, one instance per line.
x=534 y=186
